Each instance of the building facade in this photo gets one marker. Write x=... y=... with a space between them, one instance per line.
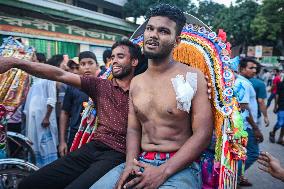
x=65 y=26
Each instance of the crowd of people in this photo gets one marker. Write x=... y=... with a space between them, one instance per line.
x=143 y=140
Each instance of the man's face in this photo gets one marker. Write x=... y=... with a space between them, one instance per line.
x=159 y=37
x=250 y=70
x=88 y=67
x=74 y=68
x=121 y=61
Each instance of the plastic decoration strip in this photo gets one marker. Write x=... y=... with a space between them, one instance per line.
x=15 y=83
x=89 y=121
x=210 y=53
x=14 y=86
x=3 y=132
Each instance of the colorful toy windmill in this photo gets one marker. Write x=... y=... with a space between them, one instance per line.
x=203 y=49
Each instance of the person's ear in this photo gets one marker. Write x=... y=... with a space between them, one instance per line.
x=178 y=40
x=134 y=62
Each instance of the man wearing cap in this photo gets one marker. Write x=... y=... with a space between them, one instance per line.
x=74 y=98
x=73 y=65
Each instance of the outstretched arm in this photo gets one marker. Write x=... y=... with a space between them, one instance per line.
x=44 y=71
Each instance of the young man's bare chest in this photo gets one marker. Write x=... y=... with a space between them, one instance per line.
x=155 y=99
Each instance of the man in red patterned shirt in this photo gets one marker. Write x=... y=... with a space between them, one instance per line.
x=83 y=167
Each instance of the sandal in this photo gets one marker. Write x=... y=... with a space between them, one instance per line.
x=271 y=137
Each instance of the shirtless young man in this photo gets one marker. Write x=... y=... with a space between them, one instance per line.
x=166 y=140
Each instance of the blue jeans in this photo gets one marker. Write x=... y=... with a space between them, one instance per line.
x=280 y=119
x=189 y=178
x=252 y=149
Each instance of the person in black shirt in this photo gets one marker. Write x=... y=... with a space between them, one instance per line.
x=70 y=116
x=279 y=109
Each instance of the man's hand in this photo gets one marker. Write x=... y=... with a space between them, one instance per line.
x=6 y=63
x=275 y=110
x=45 y=122
x=209 y=85
x=62 y=148
x=151 y=178
x=266 y=121
x=129 y=171
x=258 y=135
x=271 y=165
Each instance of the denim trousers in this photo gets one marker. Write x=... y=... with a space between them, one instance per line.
x=188 y=178
x=252 y=149
x=280 y=119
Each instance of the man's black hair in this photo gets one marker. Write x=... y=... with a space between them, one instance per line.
x=88 y=54
x=258 y=68
x=135 y=52
x=41 y=57
x=277 y=70
x=106 y=54
x=55 y=60
x=171 y=12
x=244 y=62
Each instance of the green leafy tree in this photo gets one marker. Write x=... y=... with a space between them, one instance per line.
x=236 y=21
x=207 y=11
x=268 y=25
x=137 y=8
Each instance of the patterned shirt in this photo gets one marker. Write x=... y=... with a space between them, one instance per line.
x=111 y=103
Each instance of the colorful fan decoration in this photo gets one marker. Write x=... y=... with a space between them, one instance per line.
x=209 y=52
x=89 y=121
x=14 y=85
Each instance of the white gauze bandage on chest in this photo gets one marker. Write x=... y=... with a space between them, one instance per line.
x=185 y=90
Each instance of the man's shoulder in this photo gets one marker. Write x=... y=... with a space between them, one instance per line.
x=243 y=79
x=94 y=79
x=257 y=82
x=184 y=69
x=277 y=78
x=245 y=82
x=91 y=83
x=138 y=79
